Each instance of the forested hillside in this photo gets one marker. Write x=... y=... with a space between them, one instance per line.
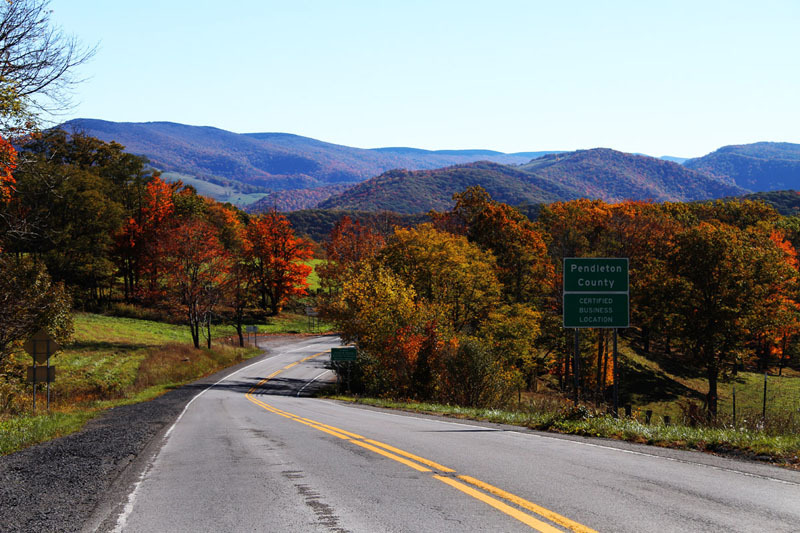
x=613 y=176
x=420 y=191
x=295 y=200
x=597 y=174
x=764 y=166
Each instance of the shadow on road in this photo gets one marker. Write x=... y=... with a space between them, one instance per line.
x=277 y=386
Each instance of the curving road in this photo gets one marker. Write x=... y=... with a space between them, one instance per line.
x=249 y=454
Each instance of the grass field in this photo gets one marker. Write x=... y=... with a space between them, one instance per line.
x=666 y=388
x=313 y=278
x=218 y=192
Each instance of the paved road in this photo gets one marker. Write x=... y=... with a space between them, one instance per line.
x=250 y=455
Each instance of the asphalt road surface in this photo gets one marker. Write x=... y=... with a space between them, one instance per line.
x=251 y=453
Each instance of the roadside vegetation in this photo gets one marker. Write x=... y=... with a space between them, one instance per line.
x=779 y=447
x=466 y=311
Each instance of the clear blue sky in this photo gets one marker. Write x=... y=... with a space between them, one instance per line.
x=663 y=78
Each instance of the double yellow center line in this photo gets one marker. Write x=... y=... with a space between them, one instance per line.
x=488 y=494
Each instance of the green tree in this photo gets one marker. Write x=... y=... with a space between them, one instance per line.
x=29 y=301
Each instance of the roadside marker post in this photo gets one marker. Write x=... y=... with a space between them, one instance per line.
x=596 y=295
x=254 y=331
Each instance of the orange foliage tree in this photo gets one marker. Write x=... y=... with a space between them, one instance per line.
x=276 y=257
x=523 y=266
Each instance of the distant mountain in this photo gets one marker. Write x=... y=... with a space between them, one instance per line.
x=763 y=166
x=614 y=176
x=599 y=173
x=263 y=162
x=419 y=191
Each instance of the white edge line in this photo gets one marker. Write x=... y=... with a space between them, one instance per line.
x=312 y=381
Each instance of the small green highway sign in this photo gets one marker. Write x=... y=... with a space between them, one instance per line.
x=347 y=353
x=596 y=292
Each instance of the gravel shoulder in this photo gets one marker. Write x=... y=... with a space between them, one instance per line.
x=76 y=482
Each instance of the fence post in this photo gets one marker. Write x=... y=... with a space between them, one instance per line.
x=764 y=406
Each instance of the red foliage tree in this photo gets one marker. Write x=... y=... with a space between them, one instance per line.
x=276 y=257
x=8 y=162
x=349 y=243
x=195 y=272
x=139 y=243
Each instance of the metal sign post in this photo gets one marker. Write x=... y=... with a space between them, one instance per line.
x=41 y=347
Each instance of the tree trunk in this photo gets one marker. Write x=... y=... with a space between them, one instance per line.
x=195 y=329
x=712 y=373
x=239 y=319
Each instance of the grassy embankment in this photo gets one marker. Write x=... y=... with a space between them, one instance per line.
x=115 y=361
x=667 y=389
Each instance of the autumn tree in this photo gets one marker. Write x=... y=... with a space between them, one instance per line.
x=240 y=290
x=724 y=274
x=447 y=271
x=511 y=333
x=140 y=241
x=29 y=301
x=8 y=162
x=523 y=267
x=277 y=256
x=195 y=271
x=348 y=244
x=376 y=309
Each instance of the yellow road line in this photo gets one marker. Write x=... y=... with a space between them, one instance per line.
x=500 y=506
x=417 y=458
x=525 y=504
x=395 y=454
x=384 y=453
x=348 y=433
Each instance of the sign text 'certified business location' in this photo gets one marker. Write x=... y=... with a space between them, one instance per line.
x=596 y=293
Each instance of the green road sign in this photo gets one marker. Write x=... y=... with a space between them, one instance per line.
x=348 y=353
x=595 y=274
x=596 y=292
